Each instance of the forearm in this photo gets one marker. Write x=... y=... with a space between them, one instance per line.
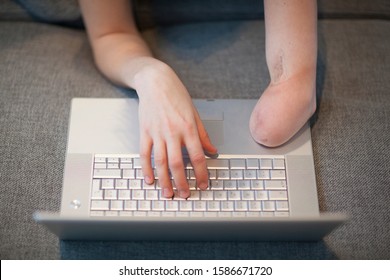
x=119 y=50
x=291 y=38
x=121 y=56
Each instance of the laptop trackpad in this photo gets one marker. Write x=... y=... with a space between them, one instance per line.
x=215 y=130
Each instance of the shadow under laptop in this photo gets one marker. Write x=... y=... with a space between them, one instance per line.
x=157 y=250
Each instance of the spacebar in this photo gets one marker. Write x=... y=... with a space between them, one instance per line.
x=107 y=173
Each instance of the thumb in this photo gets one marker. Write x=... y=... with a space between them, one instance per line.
x=208 y=147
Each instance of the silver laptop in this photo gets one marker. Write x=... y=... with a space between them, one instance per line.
x=255 y=193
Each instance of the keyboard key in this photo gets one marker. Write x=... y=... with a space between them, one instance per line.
x=252 y=163
x=224 y=214
x=140 y=214
x=107 y=173
x=110 y=194
x=112 y=160
x=279 y=163
x=121 y=184
x=268 y=205
x=100 y=159
x=153 y=214
x=263 y=174
x=135 y=184
x=212 y=174
x=199 y=205
x=100 y=205
x=277 y=195
x=234 y=195
x=227 y=206
x=241 y=205
x=144 y=205
x=243 y=184
x=213 y=206
x=266 y=163
x=216 y=185
x=236 y=174
x=158 y=205
x=261 y=195
x=111 y=165
x=239 y=214
x=116 y=205
x=130 y=205
x=282 y=214
x=96 y=213
x=223 y=174
x=278 y=174
x=250 y=174
x=139 y=174
x=230 y=184
x=207 y=195
x=151 y=194
x=100 y=165
x=192 y=184
x=124 y=194
x=137 y=163
x=128 y=160
x=248 y=195
x=210 y=214
x=237 y=164
x=257 y=184
x=128 y=174
x=125 y=165
x=171 y=205
x=111 y=213
x=282 y=205
x=194 y=195
x=138 y=194
x=254 y=205
x=185 y=205
x=218 y=163
x=107 y=184
x=220 y=195
x=97 y=194
x=275 y=185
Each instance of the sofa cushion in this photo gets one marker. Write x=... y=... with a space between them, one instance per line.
x=59 y=11
x=150 y=13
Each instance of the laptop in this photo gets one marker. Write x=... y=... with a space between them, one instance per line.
x=255 y=193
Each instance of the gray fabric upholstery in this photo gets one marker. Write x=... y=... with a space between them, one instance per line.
x=151 y=13
x=43 y=66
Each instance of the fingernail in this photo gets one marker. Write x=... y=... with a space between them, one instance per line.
x=148 y=180
x=166 y=193
x=184 y=194
x=203 y=186
x=211 y=155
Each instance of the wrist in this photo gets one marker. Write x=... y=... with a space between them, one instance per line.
x=149 y=73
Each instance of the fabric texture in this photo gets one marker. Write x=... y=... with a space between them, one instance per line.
x=44 y=66
x=152 y=13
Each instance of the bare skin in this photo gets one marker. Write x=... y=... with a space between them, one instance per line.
x=291 y=52
x=168 y=118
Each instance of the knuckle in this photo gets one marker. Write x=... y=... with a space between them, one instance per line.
x=198 y=159
x=191 y=128
x=159 y=160
x=144 y=154
x=176 y=163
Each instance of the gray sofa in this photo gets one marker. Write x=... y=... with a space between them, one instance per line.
x=217 y=48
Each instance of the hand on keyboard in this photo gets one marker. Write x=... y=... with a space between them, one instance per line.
x=169 y=121
x=238 y=187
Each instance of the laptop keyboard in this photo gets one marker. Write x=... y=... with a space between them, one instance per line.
x=238 y=187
